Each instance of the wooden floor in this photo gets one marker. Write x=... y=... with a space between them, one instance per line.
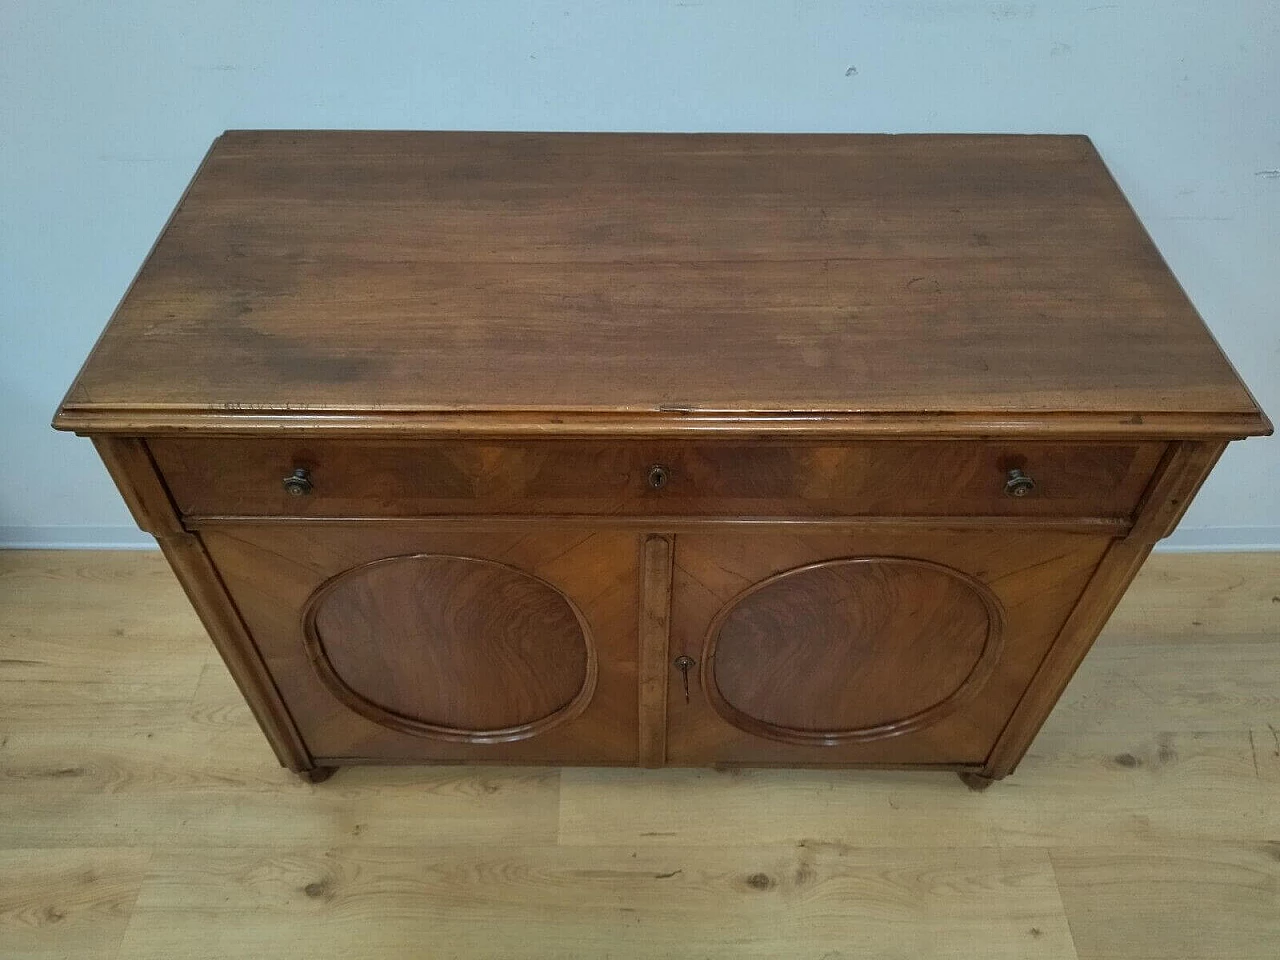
x=142 y=815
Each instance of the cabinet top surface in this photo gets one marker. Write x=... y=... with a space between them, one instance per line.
x=627 y=282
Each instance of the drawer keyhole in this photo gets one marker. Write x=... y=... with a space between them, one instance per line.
x=659 y=476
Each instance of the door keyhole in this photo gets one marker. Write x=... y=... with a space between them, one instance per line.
x=684 y=664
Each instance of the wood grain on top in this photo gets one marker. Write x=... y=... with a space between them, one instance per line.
x=548 y=282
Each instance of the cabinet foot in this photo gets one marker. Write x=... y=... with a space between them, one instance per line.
x=317 y=774
x=976 y=781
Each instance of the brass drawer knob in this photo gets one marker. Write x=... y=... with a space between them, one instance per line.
x=298 y=483
x=1018 y=484
x=659 y=476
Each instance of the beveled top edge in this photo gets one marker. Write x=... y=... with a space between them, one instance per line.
x=493 y=423
x=250 y=134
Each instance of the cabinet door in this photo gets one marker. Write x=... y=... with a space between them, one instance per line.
x=394 y=642
x=856 y=647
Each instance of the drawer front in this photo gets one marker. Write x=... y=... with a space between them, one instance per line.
x=246 y=477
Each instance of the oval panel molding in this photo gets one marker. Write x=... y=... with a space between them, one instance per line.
x=450 y=647
x=851 y=650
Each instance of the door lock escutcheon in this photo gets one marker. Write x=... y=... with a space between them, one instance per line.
x=684 y=665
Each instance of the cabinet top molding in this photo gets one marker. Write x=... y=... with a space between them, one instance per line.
x=456 y=283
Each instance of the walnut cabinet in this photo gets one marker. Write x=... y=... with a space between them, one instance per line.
x=646 y=450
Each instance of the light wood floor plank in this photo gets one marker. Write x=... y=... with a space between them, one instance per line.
x=1201 y=599
x=67 y=903
x=1198 y=901
x=383 y=806
x=1265 y=744
x=1077 y=789
x=794 y=900
x=1220 y=686
x=130 y=767
x=82 y=629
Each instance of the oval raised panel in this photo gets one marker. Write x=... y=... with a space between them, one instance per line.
x=851 y=650
x=454 y=648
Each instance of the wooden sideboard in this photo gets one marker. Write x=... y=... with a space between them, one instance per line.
x=655 y=449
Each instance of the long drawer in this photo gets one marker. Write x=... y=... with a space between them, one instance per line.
x=301 y=477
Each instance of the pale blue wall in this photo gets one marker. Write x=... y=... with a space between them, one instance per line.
x=105 y=109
